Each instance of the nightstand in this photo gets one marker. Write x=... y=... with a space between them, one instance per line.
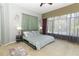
x=18 y=38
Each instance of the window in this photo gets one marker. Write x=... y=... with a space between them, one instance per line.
x=65 y=25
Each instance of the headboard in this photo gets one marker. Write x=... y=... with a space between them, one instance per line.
x=29 y=22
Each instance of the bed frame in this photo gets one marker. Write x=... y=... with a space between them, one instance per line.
x=29 y=44
x=25 y=41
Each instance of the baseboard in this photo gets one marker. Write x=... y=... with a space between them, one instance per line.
x=8 y=43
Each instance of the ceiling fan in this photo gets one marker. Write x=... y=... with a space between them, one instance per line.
x=45 y=3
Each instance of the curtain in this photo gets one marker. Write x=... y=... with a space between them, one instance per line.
x=50 y=22
x=29 y=22
x=67 y=24
x=44 y=26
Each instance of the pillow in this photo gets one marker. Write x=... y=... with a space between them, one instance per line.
x=31 y=33
x=26 y=33
x=35 y=33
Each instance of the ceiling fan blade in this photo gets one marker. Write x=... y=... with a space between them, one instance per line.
x=41 y=4
x=45 y=3
x=50 y=3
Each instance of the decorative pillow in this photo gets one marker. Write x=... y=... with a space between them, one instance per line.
x=31 y=33
x=26 y=33
x=35 y=33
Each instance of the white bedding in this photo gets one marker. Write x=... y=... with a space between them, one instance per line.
x=38 y=39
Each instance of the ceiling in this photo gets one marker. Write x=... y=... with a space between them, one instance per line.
x=35 y=7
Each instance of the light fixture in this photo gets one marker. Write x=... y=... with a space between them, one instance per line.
x=40 y=27
x=45 y=3
x=19 y=30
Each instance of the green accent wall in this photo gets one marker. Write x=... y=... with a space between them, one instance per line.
x=29 y=22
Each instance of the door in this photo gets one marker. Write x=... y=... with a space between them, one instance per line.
x=0 y=24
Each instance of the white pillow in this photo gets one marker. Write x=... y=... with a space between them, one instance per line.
x=31 y=33
x=26 y=33
x=35 y=33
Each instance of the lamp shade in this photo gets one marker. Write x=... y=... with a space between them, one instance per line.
x=40 y=27
x=19 y=28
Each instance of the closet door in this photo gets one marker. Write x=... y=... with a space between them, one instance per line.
x=4 y=24
x=0 y=24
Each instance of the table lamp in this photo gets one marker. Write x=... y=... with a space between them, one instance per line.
x=40 y=29
x=19 y=30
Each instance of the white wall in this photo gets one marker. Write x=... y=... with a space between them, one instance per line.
x=16 y=20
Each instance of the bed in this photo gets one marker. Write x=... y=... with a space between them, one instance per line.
x=36 y=39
